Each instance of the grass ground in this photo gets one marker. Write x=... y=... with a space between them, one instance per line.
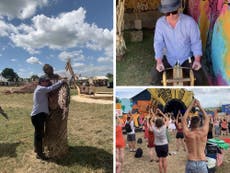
x=135 y=67
x=176 y=162
x=90 y=137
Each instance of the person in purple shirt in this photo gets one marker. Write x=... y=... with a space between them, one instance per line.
x=40 y=111
x=176 y=41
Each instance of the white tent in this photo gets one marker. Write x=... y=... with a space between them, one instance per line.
x=83 y=78
x=100 y=78
x=2 y=79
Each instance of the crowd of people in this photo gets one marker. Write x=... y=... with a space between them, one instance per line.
x=191 y=131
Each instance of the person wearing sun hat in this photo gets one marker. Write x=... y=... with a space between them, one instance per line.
x=176 y=41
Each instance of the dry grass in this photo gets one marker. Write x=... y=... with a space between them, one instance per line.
x=176 y=162
x=90 y=138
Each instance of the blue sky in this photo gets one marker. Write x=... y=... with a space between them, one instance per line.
x=208 y=96
x=34 y=33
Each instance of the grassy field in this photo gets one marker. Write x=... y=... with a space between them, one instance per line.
x=135 y=67
x=176 y=162
x=90 y=137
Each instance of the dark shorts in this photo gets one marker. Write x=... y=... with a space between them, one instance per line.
x=224 y=129
x=131 y=137
x=180 y=135
x=162 y=150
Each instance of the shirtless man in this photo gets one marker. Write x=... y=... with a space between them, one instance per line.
x=195 y=140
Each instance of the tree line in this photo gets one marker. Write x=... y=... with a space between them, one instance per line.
x=12 y=76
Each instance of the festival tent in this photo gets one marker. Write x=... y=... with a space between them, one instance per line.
x=143 y=95
x=171 y=100
x=143 y=105
x=100 y=80
x=141 y=101
x=3 y=81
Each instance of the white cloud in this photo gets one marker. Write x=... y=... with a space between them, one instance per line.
x=92 y=70
x=6 y=28
x=67 y=30
x=212 y=97
x=78 y=64
x=33 y=60
x=13 y=60
x=74 y=55
x=20 y=9
x=21 y=70
x=104 y=59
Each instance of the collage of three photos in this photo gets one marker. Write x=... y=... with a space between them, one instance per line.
x=125 y=86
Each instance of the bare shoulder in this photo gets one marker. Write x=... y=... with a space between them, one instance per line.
x=188 y=133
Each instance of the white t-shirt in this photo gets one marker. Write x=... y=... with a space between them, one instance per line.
x=132 y=127
x=160 y=137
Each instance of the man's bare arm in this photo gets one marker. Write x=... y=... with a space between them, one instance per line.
x=184 y=119
x=206 y=119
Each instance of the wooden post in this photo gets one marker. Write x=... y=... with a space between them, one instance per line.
x=69 y=68
x=55 y=139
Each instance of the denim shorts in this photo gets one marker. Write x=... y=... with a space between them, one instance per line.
x=196 y=167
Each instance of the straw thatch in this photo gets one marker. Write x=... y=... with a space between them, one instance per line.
x=120 y=42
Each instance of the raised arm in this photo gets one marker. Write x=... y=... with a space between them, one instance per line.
x=177 y=118
x=205 y=115
x=52 y=87
x=119 y=121
x=184 y=119
x=150 y=119
x=165 y=117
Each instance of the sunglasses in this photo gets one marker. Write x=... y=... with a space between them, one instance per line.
x=173 y=13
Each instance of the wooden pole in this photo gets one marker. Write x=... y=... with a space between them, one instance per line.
x=69 y=68
x=56 y=136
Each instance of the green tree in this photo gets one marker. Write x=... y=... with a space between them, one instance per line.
x=9 y=74
x=110 y=76
x=34 y=77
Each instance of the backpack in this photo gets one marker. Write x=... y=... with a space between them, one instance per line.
x=139 y=141
x=139 y=153
x=128 y=127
